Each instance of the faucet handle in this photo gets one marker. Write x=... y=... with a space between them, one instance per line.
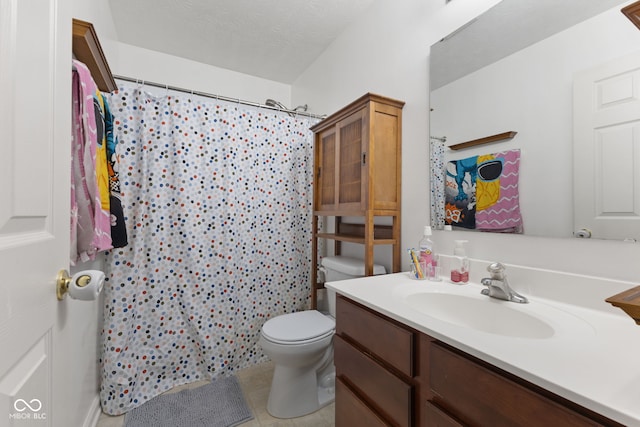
x=497 y=270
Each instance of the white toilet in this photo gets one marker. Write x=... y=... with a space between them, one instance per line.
x=301 y=346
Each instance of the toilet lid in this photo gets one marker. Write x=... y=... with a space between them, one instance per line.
x=299 y=326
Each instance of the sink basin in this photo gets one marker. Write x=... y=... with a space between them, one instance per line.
x=481 y=313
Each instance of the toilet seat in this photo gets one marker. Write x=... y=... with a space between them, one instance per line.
x=298 y=328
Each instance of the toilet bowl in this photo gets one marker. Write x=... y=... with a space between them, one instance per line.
x=301 y=346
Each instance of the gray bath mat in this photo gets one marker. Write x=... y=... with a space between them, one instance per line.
x=217 y=404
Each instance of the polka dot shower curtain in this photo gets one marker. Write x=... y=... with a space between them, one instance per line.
x=218 y=200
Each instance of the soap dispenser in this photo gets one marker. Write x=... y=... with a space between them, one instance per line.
x=425 y=247
x=460 y=264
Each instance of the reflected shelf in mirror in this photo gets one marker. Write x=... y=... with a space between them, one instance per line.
x=486 y=140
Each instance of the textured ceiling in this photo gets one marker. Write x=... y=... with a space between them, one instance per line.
x=273 y=39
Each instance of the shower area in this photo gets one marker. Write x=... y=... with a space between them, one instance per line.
x=217 y=198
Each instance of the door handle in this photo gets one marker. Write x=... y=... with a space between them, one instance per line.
x=84 y=285
x=583 y=233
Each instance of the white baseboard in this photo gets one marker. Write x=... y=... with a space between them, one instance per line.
x=91 y=420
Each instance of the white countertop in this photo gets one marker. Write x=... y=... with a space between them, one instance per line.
x=592 y=358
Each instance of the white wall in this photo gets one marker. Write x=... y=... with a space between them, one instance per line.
x=135 y=62
x=386 y=52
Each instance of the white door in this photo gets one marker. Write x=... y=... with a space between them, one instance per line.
x=606 y=148
x=35 y=128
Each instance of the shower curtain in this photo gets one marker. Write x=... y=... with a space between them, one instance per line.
x=217 y=199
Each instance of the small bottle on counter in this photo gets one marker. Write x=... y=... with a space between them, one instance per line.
x=460 y=264
x=427 y=256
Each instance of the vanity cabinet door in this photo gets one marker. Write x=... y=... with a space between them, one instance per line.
x=478 y=395
x=374 y=357
x=382 y=390
x=434 y=417
x=382 y=338
x=352 y=411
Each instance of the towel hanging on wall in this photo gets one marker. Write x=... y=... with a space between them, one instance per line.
x=90 y=223
x=481 y=192
x=97 y=219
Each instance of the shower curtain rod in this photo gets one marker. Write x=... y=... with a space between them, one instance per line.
x=220 y=97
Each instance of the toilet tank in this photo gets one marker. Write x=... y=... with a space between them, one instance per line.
x=337 y=268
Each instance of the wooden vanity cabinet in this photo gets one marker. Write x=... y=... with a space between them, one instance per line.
x=390 y=374
x=357 y=173
x=374 y=359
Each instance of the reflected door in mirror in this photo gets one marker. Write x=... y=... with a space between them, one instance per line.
x=607 y=149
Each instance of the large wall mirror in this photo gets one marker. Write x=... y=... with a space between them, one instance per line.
x=513 y=69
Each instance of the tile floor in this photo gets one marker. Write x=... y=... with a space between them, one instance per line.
x=255 y=383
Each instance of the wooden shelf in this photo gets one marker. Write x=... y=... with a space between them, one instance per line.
x=485 y=140
x=87 y=49
x=356 y=213
x=354 y=239
x=354 y=233
x=633 y=13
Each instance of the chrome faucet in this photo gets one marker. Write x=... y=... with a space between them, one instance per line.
x=498 y=286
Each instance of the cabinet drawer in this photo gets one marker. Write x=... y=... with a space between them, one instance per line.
x=478 y=395
x=434 y=417
x=351 y=411
x=382 y=389
x=383 y=338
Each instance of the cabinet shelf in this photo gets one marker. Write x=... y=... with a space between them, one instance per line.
x=357 y=213
x=354 y=239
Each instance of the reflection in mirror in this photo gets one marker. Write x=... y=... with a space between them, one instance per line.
x=513 y=69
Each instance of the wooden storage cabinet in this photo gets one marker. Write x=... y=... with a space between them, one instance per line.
x=357 y=155
x=393 y=375
x=357 y=173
